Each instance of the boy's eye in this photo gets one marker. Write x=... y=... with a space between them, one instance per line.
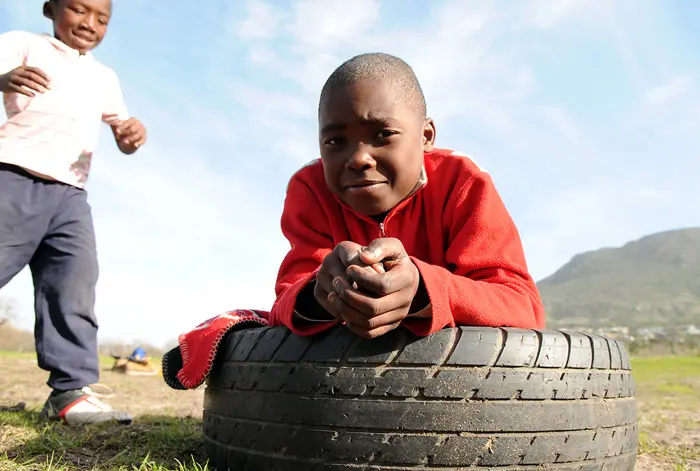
x=334 y=141
x=385 y=134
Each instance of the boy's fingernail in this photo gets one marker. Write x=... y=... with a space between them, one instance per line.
x=369 y=252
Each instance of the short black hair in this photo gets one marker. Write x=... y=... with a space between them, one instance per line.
x=379 y=66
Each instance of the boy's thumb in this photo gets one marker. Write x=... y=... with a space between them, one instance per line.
x=369 y=255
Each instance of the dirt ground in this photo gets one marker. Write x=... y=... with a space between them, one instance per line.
x=668 y=393
x=22 y=380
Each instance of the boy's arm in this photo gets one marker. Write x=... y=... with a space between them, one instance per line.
x=13 y=50
x=129 y=133
x=15 y=76
x=307 y=231
x=488 y=283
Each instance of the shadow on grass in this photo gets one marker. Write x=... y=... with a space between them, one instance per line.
x=151 y=443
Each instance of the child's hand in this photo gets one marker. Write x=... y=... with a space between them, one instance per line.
x=373 y=303
x=25 y=80
x=130 y=135
x=334 y=266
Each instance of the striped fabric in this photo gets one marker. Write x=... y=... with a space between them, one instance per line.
x=55 y=133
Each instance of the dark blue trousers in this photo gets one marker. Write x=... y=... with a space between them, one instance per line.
x=48 y=226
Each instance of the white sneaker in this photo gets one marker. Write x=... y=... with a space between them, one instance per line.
x=81 y=407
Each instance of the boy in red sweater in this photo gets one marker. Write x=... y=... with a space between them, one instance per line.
x=386 y=230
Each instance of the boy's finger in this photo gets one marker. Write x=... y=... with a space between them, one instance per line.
x=378 y=283
x=349 y=314
x=36 y=78
x=21 y=90
x=30 y=84
x=37 y=71
x=321 y=297
x=128 y=129
x=372 y=333
x=347 y=254
x=140 y=136
x=382 y=249
x=373 y=307
x=328 y=273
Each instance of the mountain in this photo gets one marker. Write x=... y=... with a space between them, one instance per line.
x=653 y=281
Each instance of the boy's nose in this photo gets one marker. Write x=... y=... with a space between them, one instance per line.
x=361 y=158
x=89 y=23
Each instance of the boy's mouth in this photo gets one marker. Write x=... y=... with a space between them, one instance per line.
x=363 y=184
x=83 y=38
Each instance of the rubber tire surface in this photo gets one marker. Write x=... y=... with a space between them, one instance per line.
x=466 y=398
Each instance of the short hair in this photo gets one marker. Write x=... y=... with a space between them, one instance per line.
x=379 y=66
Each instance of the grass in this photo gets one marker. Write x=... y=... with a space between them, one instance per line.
x=167 y=436
x=152 y=443
x=668 y=393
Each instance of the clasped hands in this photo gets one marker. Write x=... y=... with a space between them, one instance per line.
x=370 y=288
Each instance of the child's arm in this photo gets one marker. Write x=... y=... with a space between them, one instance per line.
x=15 y=75
x=489 y=283
x=129 y=133
x=310 y=244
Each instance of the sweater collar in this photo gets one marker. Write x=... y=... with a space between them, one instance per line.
x=422 y=182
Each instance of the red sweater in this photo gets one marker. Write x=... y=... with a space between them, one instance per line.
x=456 y=230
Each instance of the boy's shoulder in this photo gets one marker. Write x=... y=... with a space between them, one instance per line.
x=449 y=161
x=311 y=173
x=24 y=39
x=20 y=34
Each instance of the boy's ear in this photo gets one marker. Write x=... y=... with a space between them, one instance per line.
x=48 y=10
x=428 y=135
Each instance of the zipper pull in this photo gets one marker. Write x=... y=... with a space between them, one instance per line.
x=381 y=229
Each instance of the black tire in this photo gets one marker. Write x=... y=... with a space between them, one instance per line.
x=467 y=398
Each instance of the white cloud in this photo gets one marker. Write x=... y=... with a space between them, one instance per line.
x=324 y=24
x=262 y=21
x=669 y=93
x=672 y=108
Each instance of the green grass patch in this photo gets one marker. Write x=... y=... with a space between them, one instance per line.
x=150 y=444
x=655 y=369
x=672 y=379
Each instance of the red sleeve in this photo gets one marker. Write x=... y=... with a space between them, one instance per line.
x=488 y=283
x=308 y=236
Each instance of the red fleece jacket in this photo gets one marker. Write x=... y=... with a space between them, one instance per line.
x=456 y=230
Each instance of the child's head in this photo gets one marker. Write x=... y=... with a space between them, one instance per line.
x=373 y=131
x=80 y=24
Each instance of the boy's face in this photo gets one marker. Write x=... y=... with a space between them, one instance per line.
x=80 y=24
x=372 y=142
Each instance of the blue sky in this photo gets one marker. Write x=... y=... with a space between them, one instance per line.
x=585 y=112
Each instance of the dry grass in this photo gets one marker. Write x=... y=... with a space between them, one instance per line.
x=165 y=437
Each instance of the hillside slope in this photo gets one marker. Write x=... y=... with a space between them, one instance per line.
x=653 y=281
